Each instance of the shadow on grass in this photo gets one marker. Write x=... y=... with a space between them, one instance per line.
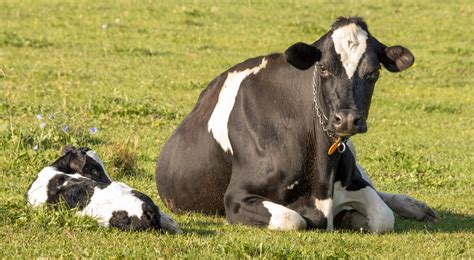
x=198 y=232
x=202 y=228
x=448 y=222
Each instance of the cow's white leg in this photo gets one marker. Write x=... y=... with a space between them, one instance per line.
x=367 y=202
x=283 y=218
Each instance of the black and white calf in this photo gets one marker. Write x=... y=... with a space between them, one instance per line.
x=79 y=178
x=259 y=144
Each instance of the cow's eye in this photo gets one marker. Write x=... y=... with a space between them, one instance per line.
x=373 y=76
x=323 y=70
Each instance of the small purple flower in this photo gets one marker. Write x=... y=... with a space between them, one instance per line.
x=43 y=125
x=93 y=130
x=36 y=147
x=39 y=116
x=66 y=128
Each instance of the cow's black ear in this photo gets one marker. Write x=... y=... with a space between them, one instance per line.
x=396 y=58
x=77 y=160
x=68 y=148
x=302 y=56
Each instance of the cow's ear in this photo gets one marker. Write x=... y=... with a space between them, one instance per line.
x=77 y=160
x=396 y=58
x=302 y=56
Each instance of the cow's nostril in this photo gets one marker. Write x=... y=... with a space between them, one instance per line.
x=356 y=121
x=337 y=120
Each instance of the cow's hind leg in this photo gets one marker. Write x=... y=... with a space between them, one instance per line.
x=408 y=207
x=257 y=211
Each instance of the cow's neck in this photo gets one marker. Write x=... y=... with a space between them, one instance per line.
x=323 y=176
x=325 y=165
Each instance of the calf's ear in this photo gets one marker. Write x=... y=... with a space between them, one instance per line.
x=68 y=148
x=302 y=56
x=396 y=58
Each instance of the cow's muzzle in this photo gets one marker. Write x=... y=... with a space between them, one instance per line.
x=349 y=122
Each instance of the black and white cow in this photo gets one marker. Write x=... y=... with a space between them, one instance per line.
x=259 y=144
x=79 y=178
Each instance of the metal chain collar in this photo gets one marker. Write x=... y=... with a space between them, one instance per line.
x=316 y=106
x=338 y=142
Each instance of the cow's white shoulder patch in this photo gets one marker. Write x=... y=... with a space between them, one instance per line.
x=219 y=119
x=283 y=218
x=350 y=42
x=115 y=197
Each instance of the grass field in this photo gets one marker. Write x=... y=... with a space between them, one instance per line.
x=134 y=70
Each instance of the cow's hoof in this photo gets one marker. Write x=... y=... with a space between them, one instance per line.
x=427 y=213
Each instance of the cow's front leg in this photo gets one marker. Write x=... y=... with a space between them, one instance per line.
x=372 y=214
x=253 y=210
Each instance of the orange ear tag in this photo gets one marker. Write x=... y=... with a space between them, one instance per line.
x=334 y=146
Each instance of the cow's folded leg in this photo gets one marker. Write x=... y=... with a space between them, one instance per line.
x=366 y=201
x=257 y=211
x=408 y=207
x=351 y=219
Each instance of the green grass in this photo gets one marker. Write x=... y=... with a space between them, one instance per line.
x=134 y=70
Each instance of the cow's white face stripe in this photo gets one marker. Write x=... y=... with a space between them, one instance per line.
x=350 y=42
x=283 y=218
x=220 y=116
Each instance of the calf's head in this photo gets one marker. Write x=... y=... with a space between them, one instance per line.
x=347 y=61
x=82 y=161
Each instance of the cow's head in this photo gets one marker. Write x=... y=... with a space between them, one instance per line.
x=347 y=61
x=82 y=161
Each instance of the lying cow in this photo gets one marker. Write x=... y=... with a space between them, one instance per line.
x=79 y=178
x=266 y=142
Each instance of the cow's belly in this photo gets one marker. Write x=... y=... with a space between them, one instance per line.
x=193 y=176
